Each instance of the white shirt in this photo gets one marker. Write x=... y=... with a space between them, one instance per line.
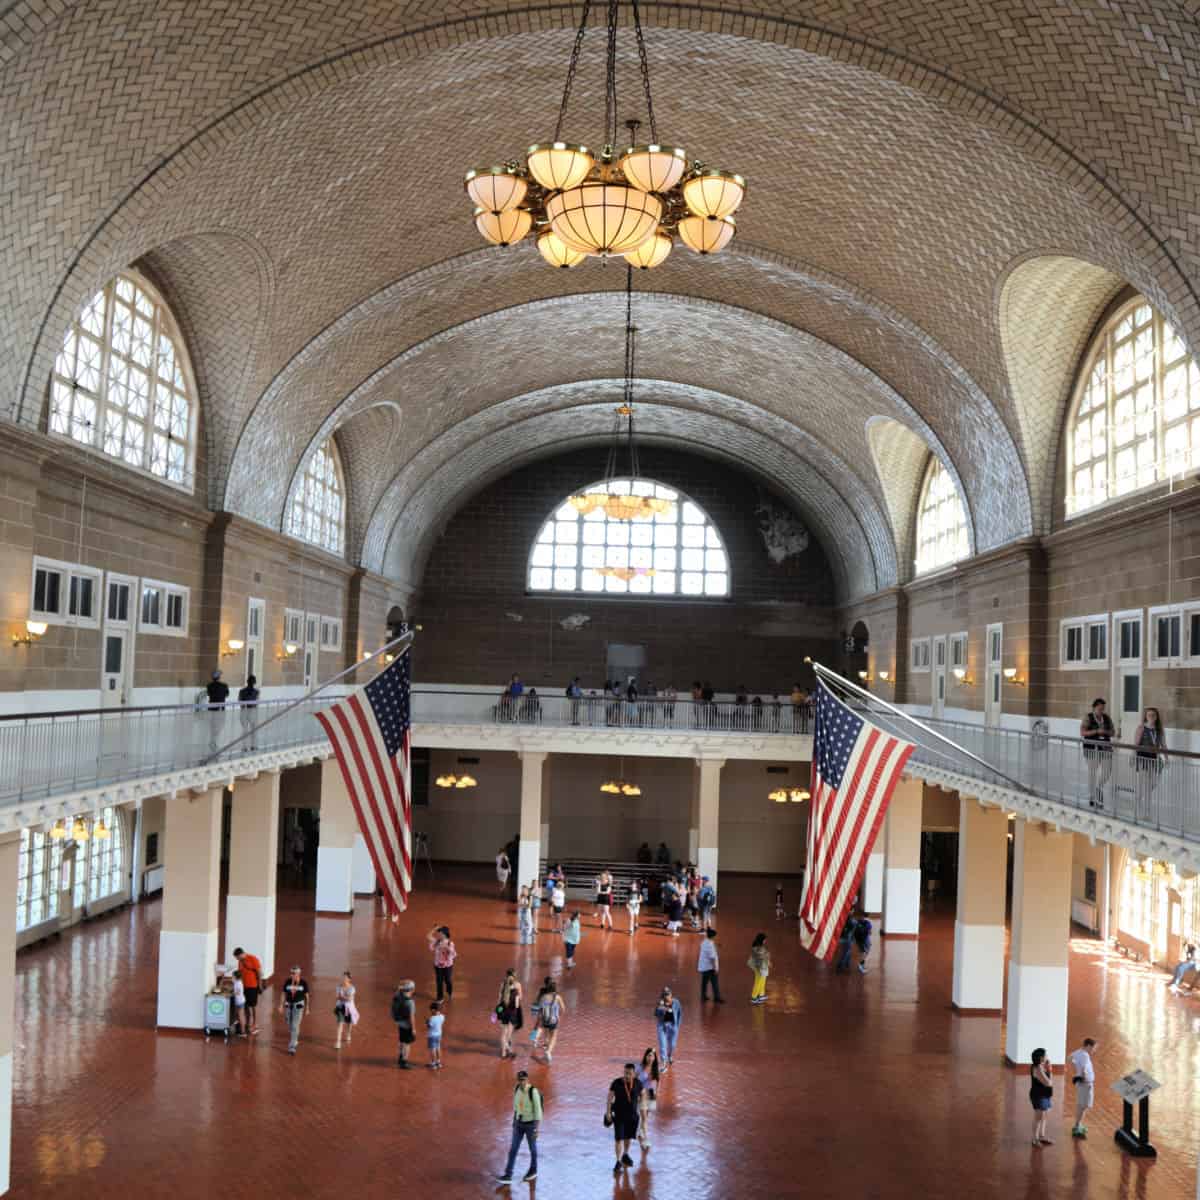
x=708 y=955
x=560 y=898
x=1081 y=1060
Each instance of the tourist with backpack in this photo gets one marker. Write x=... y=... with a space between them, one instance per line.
x=403 y=1013
x=528 y=1110
x=706 y=901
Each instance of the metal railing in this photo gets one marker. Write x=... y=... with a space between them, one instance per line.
x=1159 y=791
x=47 y=754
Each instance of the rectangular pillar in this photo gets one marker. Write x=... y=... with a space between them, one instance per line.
x=362 y=869
x=708 y=816
x=187 y=943
x=534 y=765
x=253 y=838
x=979 y=919
x=902 y=875
x=1040 y=945
x=872 y=887
x=335 y=853
x=9 y=851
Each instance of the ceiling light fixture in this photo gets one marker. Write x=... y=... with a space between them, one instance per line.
x=620 y=786
x=619 y=499
x=783 y=795
x=456 y=781
x=631 y=201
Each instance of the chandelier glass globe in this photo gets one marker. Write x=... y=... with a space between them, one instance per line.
x=503 y=228
x=714 y=193
x=496 y=189
x=556 y=252
x=654 y=168
x=651 y=252
x=559 y=165
x=706 y=235
x=603 y=217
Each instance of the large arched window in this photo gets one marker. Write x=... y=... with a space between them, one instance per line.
x=1137 y=413
x=318 y=511
x=676 y=553
x=941 y=520
x=122 y=384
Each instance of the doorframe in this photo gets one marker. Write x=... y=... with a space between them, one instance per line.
x=254 y=642
x=125 y=629
x=1123 y=667
x=940 y=650
x=993 y=676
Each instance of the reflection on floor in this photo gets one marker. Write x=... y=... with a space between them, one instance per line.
x=841 y=1086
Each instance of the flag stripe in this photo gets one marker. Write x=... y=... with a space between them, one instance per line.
x=388 y=785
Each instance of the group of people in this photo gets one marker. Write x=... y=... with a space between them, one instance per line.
x=1041 y=1089
x=1150 y=757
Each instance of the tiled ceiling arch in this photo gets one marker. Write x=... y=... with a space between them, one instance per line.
x=367 y=442
x=1049 y=305
x=855 y=539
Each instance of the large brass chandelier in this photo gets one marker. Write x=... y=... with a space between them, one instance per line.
x=631 y=201
x=616 y=503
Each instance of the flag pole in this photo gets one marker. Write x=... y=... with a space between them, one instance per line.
x=823 y=672
x=408 y=637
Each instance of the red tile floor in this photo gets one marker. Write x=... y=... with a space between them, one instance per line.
x=842 y=1086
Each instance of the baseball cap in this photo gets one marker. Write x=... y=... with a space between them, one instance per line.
x=522 y=1074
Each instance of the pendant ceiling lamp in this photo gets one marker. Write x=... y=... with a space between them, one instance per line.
x=631 y=199
x=456 y=781
x=621 y=786
x=621 y=501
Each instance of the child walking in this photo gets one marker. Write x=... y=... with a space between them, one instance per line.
x=559 y=903
x=433 y=1034
x=571 y=935
x=239 y=1003
x=634 y=905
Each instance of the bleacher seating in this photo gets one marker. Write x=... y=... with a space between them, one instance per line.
x=582 y=874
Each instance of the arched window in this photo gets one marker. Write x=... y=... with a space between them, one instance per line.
x=318 y=511
x=941 y=520
x=676 y=553
x=122 y=384
x=1137 y=413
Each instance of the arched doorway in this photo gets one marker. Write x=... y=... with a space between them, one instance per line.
x=856 y=649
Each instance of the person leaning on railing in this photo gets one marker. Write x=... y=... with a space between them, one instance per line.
x=1096 y=730
x=1151 y=742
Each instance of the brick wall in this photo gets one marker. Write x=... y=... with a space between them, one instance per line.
x=476 y=576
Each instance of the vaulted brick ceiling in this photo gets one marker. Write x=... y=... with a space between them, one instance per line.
x=291 y=176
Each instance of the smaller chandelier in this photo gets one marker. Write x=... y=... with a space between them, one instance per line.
x=79 y=830
x=632 y=201
x=783 y=795
x=456 y=781
x=58 y=830
x=1149 y=869
x=101 y=832
x=620 y=786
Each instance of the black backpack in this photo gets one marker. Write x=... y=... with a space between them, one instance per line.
x=399 y=1009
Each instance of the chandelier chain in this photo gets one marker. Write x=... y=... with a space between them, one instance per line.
x=610 y=79
x=645 y=64
x=571 y=67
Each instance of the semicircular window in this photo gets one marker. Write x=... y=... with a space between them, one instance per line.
x=676 y=552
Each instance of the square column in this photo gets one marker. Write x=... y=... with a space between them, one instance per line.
x=708 y=815
x=362 y=869
x=902 y=875
x=187 y=944
x=872 y=886
x=1040 y=944
x=979 y=920
x=253 y=842
x=9 y=851
x=335 y=853
x=535 y=765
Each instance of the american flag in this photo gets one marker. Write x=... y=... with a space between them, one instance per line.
x=372 y=740
x=855 y=768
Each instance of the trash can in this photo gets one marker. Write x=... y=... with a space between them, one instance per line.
x=218 y=1014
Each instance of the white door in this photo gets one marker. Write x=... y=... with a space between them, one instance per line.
x=312 y=649
x=994 y=676
x=1126 y=707
x=256 y=620
x=939 y=676
x=116 y=642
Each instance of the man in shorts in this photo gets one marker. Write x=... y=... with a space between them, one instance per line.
x=622 y=1113
x=251 y=970
x=1084 y=1078
x=404 y=1013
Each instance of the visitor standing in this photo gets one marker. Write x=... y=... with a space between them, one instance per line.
x=251 y=969
x=294 y=1004
x=862 y=939
x=525 y=917
x=668 y=1014
x=404 y=1013
x=1041 y=1096
x=444 y=954
x=604 y=899
x=503 y=870
x=509 y=1011
x=673 y=902
x=247 y=705
x=1151 y=744
x=709 y=965
x=623 y=1112
x=345 y=1012
x=550 y=1008
x=706 y=901
x=663 y=855
x=575 y=696
x=239 y=1003
x=527 y=1118
x=1084 y=1079
x=572 y=933
x=779 y=910
x=1096 y=730
x=433 y=1033
x=558 y=902
x=216 y=692
x=648 y=1076
x=760 y=963
x=634 y=906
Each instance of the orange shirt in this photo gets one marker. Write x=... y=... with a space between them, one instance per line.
x=250 y=967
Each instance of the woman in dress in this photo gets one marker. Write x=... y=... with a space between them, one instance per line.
x=1041 y=1096
x=550 y=1008
x=344 y=1011
x=634 y=906
x=604 y=899
x=503 y=870
x=525 y=916
x=508 y=1011
x=760 y=963
x=648 y=1076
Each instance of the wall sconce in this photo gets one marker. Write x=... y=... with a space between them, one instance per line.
x=233 y=646
x=886 y=676
x=289 y=651
x=33 y=631
x=961 y=676
x=1010 y=676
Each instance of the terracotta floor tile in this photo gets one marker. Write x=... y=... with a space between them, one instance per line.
x=840 y=1087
